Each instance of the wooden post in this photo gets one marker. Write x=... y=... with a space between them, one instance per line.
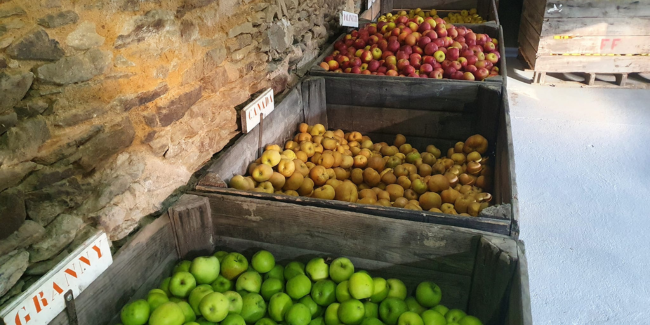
x=621 y=79
x=592 y=79
x=191 y=222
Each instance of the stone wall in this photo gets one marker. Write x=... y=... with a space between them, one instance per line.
x=108 y=106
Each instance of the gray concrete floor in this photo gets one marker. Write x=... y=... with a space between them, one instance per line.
x=582 y=162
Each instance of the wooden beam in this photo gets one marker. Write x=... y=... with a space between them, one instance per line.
x=191 y=220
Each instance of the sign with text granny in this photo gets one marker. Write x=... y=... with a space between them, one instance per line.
x=250 y=115
x=44 y=300
x=349 y=19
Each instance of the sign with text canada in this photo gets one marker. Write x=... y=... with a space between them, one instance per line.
x=44 y=300
x=250 y=115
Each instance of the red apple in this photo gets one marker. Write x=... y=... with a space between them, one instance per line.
x=449 y=71
x=491 y=57
x=426 y=68
x=392 y=73
x=410 y=40
x=409 y=70
x=458 y=75
x=481 y=64
x=424 y=40
x=366 y=72
x=382 y=69
x=452 y=32
x=452 y=54
x=401 y=55
x=386 y=54
x=489 y=47
x=383 y=45
x=391 y=67
x=355 y=62
x=441 y=31
x=391 y=60
x=436 y=74
x=418 y=50
x=428 y=60
x=393 y=46
x=470 y=36
x=425 y=26
x=430 y=48
x=396 y=31
x=407 y=49
x=373 y=39
x=372 y=29
x=439 y=42
x=401 y=64
x=348 y=70
x=466 y=53
x=423 y=75
x=471 y=59
x=328 y=58
x=481 y=74
x=402 y=20
x=468 y=76
x=325 y=66
x=431 y=34
x=359 y=44
x=471 y=68
x=463 y=61
x=456 y=65
x=366 y=56
x=373 y=65
x=413 y=26
x=333 y=64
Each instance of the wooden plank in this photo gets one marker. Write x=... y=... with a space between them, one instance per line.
x=597 y=26
x=505 y=180
x=455 y=287
x=527 y=35
x=314 y=101
x=597 y=9
x=519 y=309
x=386 y=6
x=594 y=45
x=528 y=52
x=597 y=64
x=497 y=226
x=621 y=79
x=345 y=233
x=487 y=116
x=493 y=272
x=409 y=122
x=191 y=220
x=279 y=127
x=104 y=298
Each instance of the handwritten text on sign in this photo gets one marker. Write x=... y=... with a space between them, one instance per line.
x=44 y=300
x=349 y=19
x=250 y=115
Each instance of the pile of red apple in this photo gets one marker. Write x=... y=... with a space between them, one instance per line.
x=431 y=48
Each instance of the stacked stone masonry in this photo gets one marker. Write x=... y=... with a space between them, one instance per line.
x=109 y=106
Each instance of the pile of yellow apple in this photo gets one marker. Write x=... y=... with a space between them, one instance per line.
x=335 y=165
x=461 y=17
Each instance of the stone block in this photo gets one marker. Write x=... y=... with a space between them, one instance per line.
x=36 y=45
x=152 y=23
x=31 y=107
x=12 y=175
x=12 y=212
x=13 y=87
x=58 y=235
x=189 y=5
x=74 y=69
x=42 y=267
x=189 y=30
x=85 y=37
x=12 y=267
x=239 y=42
x=21 y=142
x=215 y=81
x=175 y=109
x=7 y=121
x=280 y=35
x=59 y=19
x=113 y=140
x=240 y=54
x=245 y=28
x=30 y=232
x=65 y=144
x=10 y=9
x=143 y=98
x=44 y=205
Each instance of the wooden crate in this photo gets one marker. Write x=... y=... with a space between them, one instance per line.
x=586 y=36
x=488 y=9
x=491 y=29
x=482 y=273
x=426 y=113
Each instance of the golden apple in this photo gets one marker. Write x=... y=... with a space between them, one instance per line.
x=399 y=140
x=360 y=161
x=368 y=193
x=329 y=143
x=267 y=187
x=272 y=147
x=433 y=150
x=318 y=175
x=347 y=192
x=240 y=183
x=400 y=202
x=302 y=156
x=306 y=188
x=326 y=160
x=262 y=173
x=333 y=182
x=458 y=158
x=430 y=200
x=303 y=137
x=277 y=180
x=325 y=192
x=438 y=183
x=317 y=139
x=404 y=182
x=474 y=156
x=308 y=148
x=371 y=177
x=475 y=143
x=289 y=154
x=252 y=167
x=367 y=200
x=383 y=202
x=286 y=167
x=300 y=167
x=318 y=129
x=293 y=183
x=405 y=148
x=394 y=191
x=376 y=163
x=357 y=176
x=291 y=145
x=411 y=195
x=303 y=127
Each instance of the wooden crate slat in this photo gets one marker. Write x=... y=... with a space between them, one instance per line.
x=527 y=35
x=635 y=26
x=455 y=287
x=595 y=45
x=596 y=64
x=597 y=9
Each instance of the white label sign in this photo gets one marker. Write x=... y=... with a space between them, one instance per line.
x=250 y=115
x=44 y=300
x=349 y=19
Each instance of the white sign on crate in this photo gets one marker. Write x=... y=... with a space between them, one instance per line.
x=349 y=19
x=250 y=115
x=44 y=300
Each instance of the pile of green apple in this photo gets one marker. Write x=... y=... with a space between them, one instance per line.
x=224 y=289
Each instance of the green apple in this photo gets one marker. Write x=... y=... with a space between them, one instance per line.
x=351 y=312
x=428 y=294
x=391 y=309
x=341 y=269
x=249 y=281
x=470 y=320
x=214 y=307
x=343 y=291
x=324 y=292
x=197 y=295
x=372 y=309
x=441 y=309
x=396 y=289
x=372 y=321
x=253 y=308
x=266 y=321
x=414 y=306
x=410 y=318
x=155 y=298
x=298 y=286
x=278 y=306
x=190 y=316
x=317 y=321
x=176 y=299
x=361 y=286
x=164 y=286
x=233 y=265
x=270 y=287
x=276 y=272
x=182 y=266
x=263 y=261
x=233 y=319
x=298 y=314
x=222 y=284
x=432 y=317
x=292 y=269
x=191 y=323
x=205 y=269
x=317 y=269
x=236 y=302
x=203 y=321
x=454 y=315
x=167 y=314
x=315 y=309
x=181 y=284
x=220 y=255
x=379 y=290
x=332 y=314
x=135 y=313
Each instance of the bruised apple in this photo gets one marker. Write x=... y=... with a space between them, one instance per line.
x=475 y=143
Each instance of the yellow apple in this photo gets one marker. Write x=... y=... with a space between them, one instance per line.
x=262 y=173
x=271 y=157
x=286 y=167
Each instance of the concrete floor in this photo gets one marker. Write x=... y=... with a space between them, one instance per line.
x=582 y=162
